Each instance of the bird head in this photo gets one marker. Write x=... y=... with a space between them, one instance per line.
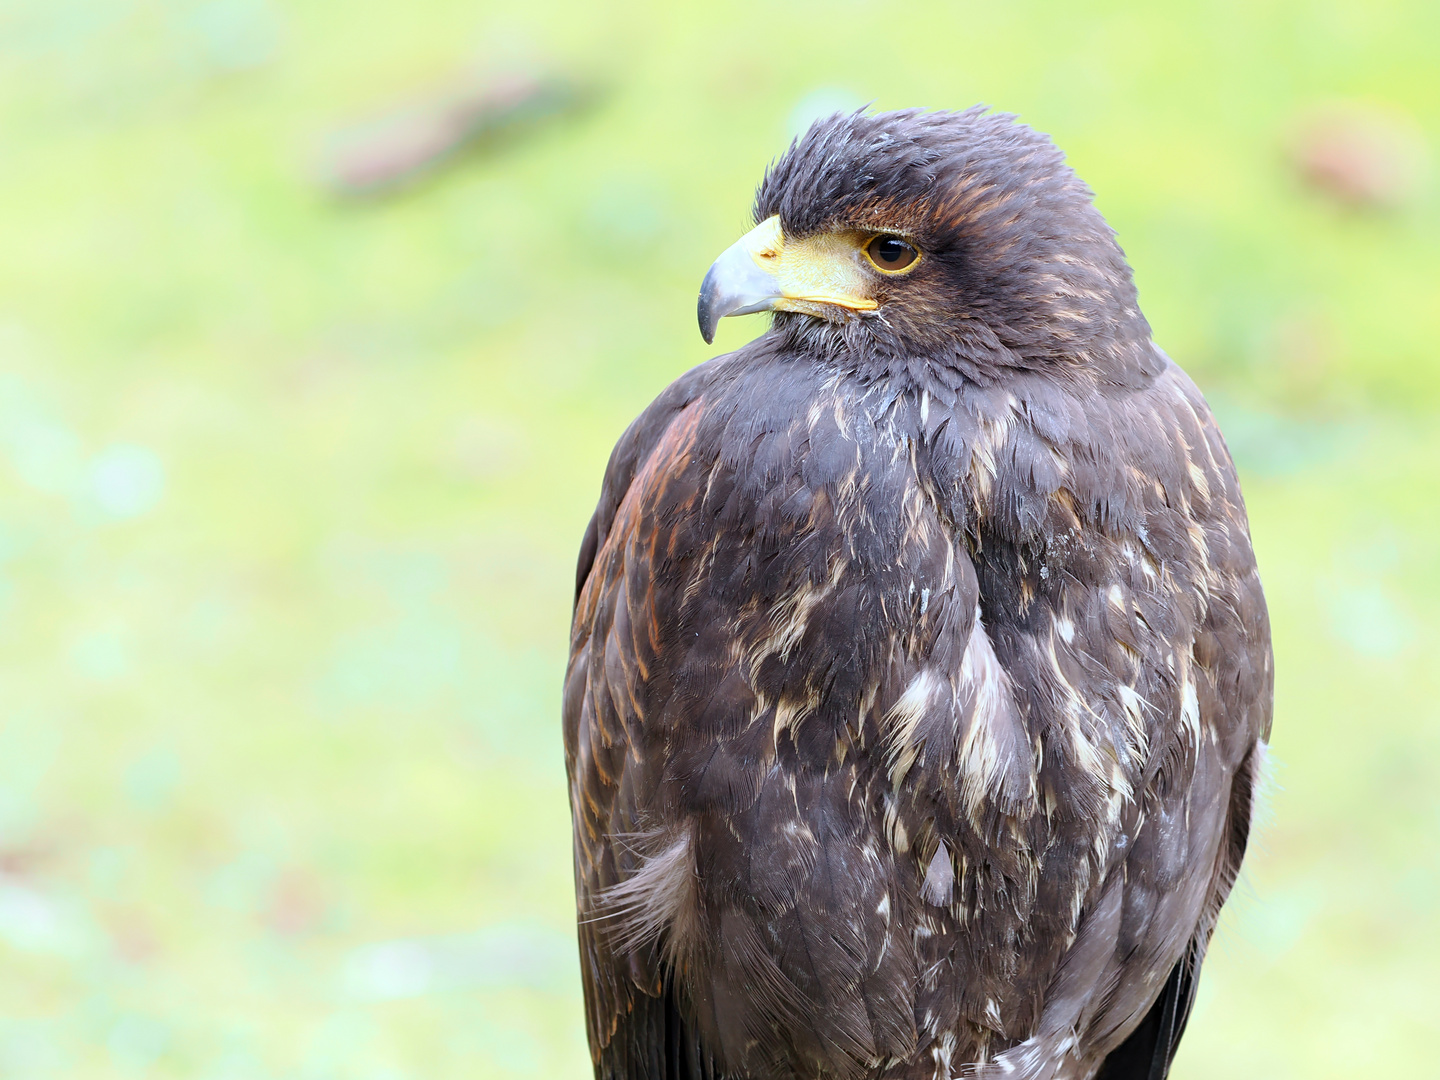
x=961 y=237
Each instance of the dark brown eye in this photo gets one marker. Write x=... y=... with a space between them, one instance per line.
x=891 y=254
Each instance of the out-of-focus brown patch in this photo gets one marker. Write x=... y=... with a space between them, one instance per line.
x=397 y=147
x=133 y=935
x=296 y=905
x=21 y=861
x=1360 y=156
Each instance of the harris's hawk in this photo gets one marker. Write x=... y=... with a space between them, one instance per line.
x=920 y=672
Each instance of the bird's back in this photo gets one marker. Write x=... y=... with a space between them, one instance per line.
x=911 y=722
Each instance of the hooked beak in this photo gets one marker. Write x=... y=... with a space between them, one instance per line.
x=738 y=282
x=761 y=272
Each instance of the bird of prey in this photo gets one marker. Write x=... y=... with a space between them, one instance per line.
x=920 y=675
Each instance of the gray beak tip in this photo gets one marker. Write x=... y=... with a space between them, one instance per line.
x=735 y=285
x=706 y=309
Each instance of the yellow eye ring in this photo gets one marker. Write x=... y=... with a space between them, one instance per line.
x=892 y=254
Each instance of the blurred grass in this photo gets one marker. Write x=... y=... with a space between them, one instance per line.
x=291 y=489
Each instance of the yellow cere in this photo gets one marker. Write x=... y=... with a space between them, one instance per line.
x=821 y=269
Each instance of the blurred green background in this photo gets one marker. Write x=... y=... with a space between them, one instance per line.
x=291 y=485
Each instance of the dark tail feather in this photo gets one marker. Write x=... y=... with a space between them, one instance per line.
x=1148 y=1052
x=655 y=1041
x=686 y=1057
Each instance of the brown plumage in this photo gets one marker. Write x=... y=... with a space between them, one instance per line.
x=920 y=671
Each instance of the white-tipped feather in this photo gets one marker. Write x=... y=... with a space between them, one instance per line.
x=657 y=900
